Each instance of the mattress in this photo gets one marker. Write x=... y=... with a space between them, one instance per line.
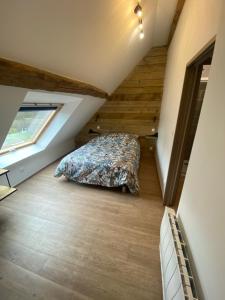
x=110 y=160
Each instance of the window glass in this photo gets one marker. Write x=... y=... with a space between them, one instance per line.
x=27 y=126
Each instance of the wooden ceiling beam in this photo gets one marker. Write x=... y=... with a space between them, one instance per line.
x=180 y=5
x=20 y=75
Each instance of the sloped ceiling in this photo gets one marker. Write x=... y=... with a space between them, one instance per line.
x=95 y=41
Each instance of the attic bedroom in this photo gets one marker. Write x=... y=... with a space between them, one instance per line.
x=108 y=151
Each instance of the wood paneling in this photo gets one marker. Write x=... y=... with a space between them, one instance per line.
x=20 y=75
x=135 y=105
x=179 y=8
x=64 y=241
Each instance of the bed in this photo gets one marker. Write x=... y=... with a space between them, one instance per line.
x=110 y=160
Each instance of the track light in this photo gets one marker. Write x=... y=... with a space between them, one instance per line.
x=138 y=10
x=140 y=25
x=141 y=35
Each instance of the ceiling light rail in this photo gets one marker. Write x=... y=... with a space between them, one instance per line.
x=139 y=12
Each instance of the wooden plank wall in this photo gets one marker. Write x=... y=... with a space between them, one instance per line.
x=135 y=105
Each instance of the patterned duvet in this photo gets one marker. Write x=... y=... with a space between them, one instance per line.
x=110 y=160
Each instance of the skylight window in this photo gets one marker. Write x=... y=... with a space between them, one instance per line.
x=29 y=124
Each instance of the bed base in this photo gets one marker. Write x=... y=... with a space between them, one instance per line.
x=124 y=189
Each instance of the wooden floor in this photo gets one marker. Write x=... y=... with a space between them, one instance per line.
x=60 y=240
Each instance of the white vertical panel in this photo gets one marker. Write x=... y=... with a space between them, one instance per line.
x=173 y=286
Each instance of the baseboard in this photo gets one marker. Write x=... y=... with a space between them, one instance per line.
x=159 y=171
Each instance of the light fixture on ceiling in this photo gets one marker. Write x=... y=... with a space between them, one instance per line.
x=140 y=24
x=141 y=35
x=138 y=10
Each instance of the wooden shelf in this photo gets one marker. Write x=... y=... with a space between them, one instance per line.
x=3 y=171
x=6 y=191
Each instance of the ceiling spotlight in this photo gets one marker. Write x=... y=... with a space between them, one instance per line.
x=140 y=25
x=141 y=35
x=138 y=10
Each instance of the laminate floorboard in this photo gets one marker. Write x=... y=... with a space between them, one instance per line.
x=61 y=240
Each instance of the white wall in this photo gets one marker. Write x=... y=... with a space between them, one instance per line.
x=32 y=164
x=202 y=206
x=83 y=113
x=198 y=24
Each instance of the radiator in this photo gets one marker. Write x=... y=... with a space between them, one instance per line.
x=177 y=279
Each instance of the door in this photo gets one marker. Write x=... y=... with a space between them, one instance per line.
x=195 y=82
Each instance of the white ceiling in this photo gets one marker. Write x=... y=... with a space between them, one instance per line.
x=95 y=41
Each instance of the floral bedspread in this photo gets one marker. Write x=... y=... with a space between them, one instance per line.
x=110 y=160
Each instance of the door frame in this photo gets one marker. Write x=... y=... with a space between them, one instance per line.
x=184 y=121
